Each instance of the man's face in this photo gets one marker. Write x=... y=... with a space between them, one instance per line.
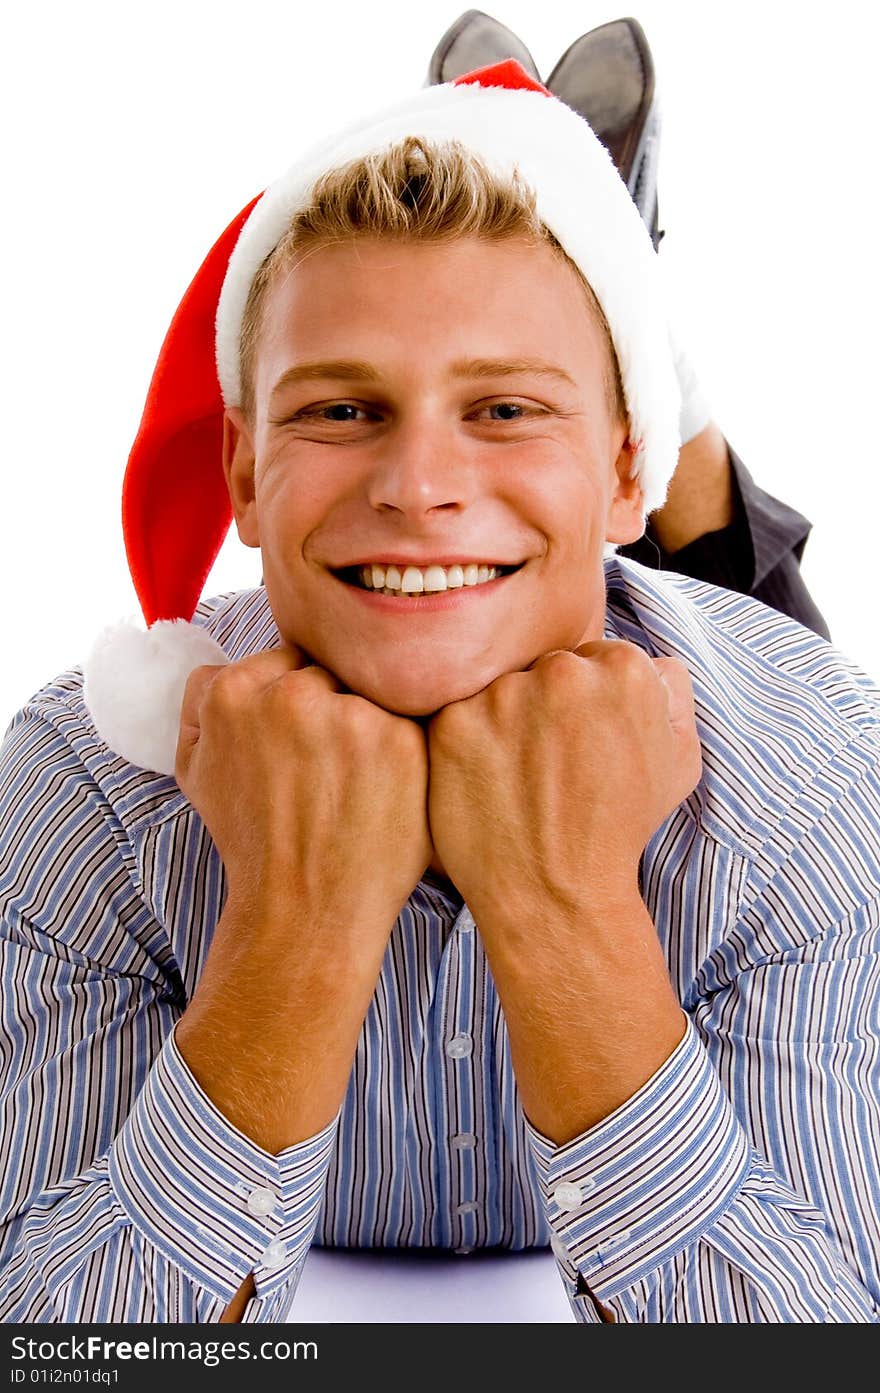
x=447 y=403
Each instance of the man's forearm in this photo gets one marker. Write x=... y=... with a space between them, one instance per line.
x=271 y=1032
x=270 y=1036
x=700 y=496
x=590 y=1022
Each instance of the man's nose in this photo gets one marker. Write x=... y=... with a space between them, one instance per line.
x=421 y=466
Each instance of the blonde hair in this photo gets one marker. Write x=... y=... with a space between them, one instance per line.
x=419 y=191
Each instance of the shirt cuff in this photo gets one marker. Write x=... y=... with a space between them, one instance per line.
x=646 y=1182
x=198 y=1189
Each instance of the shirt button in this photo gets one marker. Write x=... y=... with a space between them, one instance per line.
x=459 y=1046
x=467 y=1207
x=465 y=922
x=463 y=1141
x=559 y=1248
x=275 y=1255
x=616 y=1239
x=261 y=1201
x=568 y=1196
x=463 y=1252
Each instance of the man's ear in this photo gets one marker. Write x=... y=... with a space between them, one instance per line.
x=238 y=469
x=626 y=518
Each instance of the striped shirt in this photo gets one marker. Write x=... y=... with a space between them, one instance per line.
x=741 y=1183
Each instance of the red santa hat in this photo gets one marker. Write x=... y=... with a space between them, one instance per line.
x=175 y=506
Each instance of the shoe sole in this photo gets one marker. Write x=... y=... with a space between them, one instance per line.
x=608 y=77
x=476 y=40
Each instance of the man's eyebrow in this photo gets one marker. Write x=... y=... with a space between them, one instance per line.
x=510 y=367
x=354 y=370
x=336 y=370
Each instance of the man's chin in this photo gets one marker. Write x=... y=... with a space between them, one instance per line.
x=416 y=706
x=418 y=700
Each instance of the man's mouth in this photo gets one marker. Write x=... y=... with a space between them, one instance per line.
x=413 y=581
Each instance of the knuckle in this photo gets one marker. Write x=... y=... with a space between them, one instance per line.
x=553 y=666
x=625 y=656
x=197 y=688
x=227 y=689
x=200 y=677
x=498 y=693
x=359 y=726
x=631 y=666
x=296 y=697
x=271 y=662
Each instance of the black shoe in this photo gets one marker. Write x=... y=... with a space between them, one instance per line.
x=607 y=76
x=474 y=41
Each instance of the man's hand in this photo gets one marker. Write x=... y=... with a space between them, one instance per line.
x=544 y=790
x=551 y=781
x=316 y=801
x=314 y=797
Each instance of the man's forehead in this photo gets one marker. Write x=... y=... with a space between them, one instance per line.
x=360 y=260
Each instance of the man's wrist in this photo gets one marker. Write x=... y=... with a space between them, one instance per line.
x=508 y=925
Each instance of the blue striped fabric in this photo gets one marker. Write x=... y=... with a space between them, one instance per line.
x=741 y=1183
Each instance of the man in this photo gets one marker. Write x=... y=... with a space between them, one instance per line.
x=528 y=900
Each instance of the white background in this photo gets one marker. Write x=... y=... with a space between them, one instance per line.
x=133 y=133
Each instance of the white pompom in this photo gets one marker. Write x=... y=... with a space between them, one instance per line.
x=133 y=687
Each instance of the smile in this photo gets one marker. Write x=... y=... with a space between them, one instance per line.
x=419 y=580
x=416 y=591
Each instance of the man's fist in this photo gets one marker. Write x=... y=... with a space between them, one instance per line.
x=315 y=797
x=549 y=782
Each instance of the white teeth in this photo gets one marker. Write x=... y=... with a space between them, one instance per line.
x=415 y=581
x=435 y=578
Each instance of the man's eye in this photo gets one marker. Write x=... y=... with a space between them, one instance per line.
x=328 y=413
x=342 y=411
x=506 y=411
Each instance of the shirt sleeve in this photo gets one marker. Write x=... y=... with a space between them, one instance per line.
x=125 y=1195
x=757 y=554
x=741 y=1183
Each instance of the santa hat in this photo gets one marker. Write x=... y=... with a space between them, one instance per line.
x=175 y=506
